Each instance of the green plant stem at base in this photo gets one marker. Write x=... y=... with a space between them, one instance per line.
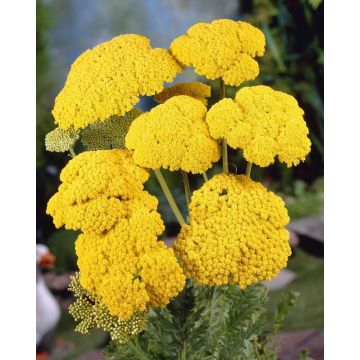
x=186 y=187
x=169 y=196
x=205 y=176
x=248 y=169
x=223 y=141
x=72 y=152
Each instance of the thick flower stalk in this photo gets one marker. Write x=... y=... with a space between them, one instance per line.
x=236 y=233
x=95 y=190
x=222 y=49
x=173 y=135
x=108 y=80
x=91 y=313
x=265 y=123
x=196 y=90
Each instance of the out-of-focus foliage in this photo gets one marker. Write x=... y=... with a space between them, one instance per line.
x=62 y=244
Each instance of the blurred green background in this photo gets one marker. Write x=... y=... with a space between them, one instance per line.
x=293 y=63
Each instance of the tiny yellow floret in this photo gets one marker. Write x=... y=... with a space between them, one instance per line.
x=173 y=135
x=265 y=123
x=236 y=233
x=108 y=80
x=196 y=90
x=222 y=49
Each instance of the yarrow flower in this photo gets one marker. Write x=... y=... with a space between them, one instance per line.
x=236 y=233
x=110 y=133
x=222 y=49
x=173 y=135
x=97 y=189
x=195 y=89
x=264 y=122
x=108 y=80
x=93 y=313
x=127 y=267
x=60 y=140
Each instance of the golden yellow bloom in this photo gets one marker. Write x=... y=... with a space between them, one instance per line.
x=127 y=267
x=92 y=313
x=196 y=90
x=236 y=233
x=108 y=80
x=264 y=122
x=98 y=188
x=222 y=49
x=173 y=135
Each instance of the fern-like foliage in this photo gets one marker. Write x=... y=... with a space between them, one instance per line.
x=208 y=323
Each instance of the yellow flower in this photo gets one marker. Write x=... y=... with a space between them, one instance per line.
x=222 y=49
x=97 y=189
x=196 y=90
x=127 y=267
x=173 y=135
x=236 y=233
x=264 y=122
x=59 y=140
x=93 y=313
x=108 y=80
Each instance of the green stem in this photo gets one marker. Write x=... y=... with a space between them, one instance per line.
x=186 y=187
x=223 y=141
x=205 y=176
x=224 y=156
x=169 y=196
x=248 y=169
x=72 y=152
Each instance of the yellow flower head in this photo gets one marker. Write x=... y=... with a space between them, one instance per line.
x=236 y=233
x=60 y=140
x=127 y=267
x=173 y=135
x=96 y=189
x=108 y=80
x=92 y=313
x=264 y=122
x=222 y=49
x=196 y=90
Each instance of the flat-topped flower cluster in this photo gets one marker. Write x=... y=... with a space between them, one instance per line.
x=235 y=233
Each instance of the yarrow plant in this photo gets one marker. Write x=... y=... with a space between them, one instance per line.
x=202 y=298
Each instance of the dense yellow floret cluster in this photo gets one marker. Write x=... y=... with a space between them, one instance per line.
x=236 y=233
x=92 y=313
x=110 y=133
x=173 y=135
x=264 y=122
x=120 y=258
x=222 y=49
x=127 y=267
x=98 y=188
x=108 y=80
x=60 y=140
x=195 y=89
